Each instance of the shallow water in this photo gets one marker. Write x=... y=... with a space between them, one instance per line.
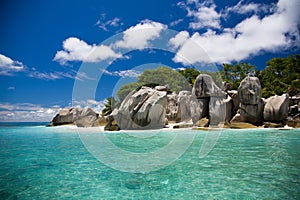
x=52 y=163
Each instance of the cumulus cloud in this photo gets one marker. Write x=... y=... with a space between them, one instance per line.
x=140 y=35
x=9 y=67
x=123 y=73
x=179 y=39
x=26 y=112
x=272 y=33
x=75 y=49
x=203 y=15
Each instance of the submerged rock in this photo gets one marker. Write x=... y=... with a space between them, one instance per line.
x=276 y=108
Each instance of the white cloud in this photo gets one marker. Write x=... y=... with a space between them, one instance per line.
x=176 y=22
x=9 y=67
x=204 y=14
x=105 y=24
x=51 y=75
x=75 y=49
x=11 y=88
x=26 y=112
x=140 y=35
x=123 y=73
x=241 y=8
x=252 y=36
x=179 y=39
x=97 y=106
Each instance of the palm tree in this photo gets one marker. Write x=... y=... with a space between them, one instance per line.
x=110 y=105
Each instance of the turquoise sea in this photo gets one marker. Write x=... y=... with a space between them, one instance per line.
x=39 y=162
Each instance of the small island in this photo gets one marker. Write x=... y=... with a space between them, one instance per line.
x=233 y=98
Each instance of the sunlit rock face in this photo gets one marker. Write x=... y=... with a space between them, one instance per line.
x=85 y=117
x=249 y=91
x=251 y=105
x=276 y=108
x=142 y=109
x=205 y=86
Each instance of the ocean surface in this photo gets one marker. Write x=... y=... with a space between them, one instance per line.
x=38 y=162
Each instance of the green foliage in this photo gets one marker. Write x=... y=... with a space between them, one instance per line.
x=234 y=74
x=126 y=89
x=282 y=75
x=159 y=76
x=110 y=104
x=190 y=75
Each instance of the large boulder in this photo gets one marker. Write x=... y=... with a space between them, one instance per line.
x=65 y=116
x=276 y=108
x=142 y=109
x=252 y=113
x=249 y=91
x=172 y=107
x=205 y=86
x=87 y=118
x=220 y=110
x=184 y=105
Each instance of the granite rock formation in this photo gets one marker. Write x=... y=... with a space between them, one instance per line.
x=276 y=108
x=142 y=109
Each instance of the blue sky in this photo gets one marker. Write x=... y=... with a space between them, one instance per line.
x=58 y=53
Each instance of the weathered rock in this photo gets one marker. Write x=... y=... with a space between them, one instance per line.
x=172 y=107
x=111 y=124
x=217 y=110
x=184 y=107
x=64 y=116
x=252 y=113
x=239 y=125
x=162 y=88
x=235 y=100
x=183 y=125
x=236 y=118
x=276 y=108
x=199 y=108
x=249 y=91
x=87 y=118
x=205 y=86
x=272 y=125
x=204 y=122
x=142 y=109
